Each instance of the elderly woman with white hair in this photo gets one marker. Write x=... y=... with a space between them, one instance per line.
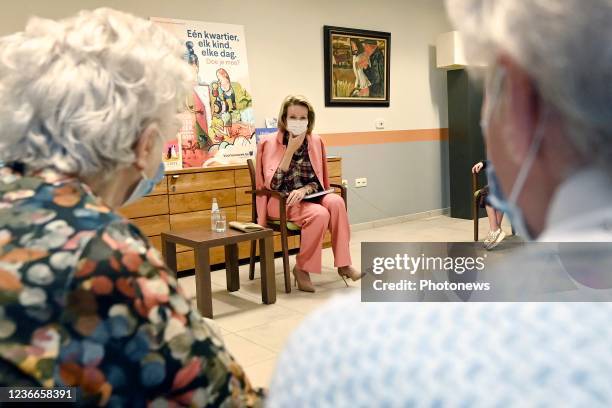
x=546 y=116
x=547 y=122
x=85 y=300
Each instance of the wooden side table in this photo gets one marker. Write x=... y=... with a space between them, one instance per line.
x=202 y=240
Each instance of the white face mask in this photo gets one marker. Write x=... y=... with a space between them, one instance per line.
x=297 y=126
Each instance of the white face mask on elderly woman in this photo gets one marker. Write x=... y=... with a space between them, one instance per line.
x=297 y=126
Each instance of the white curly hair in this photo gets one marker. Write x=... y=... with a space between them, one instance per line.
x=76 y=94
x=565 y=47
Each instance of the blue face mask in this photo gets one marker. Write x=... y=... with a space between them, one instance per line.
x=496 y=197
x=499 y=202
x=146 y=185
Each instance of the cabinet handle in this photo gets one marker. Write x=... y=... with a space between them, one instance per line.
x=173 y=186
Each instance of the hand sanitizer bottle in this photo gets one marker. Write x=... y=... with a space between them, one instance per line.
x=214 y=215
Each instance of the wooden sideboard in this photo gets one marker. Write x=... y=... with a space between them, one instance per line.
x=183 y=200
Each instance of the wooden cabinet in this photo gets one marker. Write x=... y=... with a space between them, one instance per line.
x=183 y=200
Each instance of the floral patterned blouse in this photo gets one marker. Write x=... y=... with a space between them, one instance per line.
x=86 y=301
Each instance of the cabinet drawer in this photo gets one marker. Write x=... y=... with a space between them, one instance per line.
x=244 y=213
x=334 y=168
x=161 y=188
x=156 y=242
x=183 y=248
x=153 y=225
x=197 y=219
x=217 y=255
x=242 y=198
x=202 y=200
x=146 y=207
x=277 y=244
x=207 y=180
x=186 y=260
x=242 y=178
x=244 y=250
x=294 y=242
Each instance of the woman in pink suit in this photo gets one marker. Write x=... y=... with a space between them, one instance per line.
x=294 y=162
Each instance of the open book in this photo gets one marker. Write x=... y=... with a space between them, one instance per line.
x=319 y=194
x=245 y=226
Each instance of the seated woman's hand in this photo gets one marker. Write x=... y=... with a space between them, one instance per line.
x=296 y=196
x=477 y=167
x=294 y=142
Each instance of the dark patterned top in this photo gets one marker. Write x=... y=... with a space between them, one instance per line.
x=86 y=301
x=299 y=174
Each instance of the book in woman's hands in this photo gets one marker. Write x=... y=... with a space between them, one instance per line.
x=245 y=226
x=319 y=194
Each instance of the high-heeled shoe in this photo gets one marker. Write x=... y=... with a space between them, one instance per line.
x=302 y=280
x=349 y=273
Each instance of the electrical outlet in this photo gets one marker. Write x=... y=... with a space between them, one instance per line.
x=379 y=123
x=345 y=182
x=361 y=182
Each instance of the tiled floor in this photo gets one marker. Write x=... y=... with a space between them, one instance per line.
x=255 y=333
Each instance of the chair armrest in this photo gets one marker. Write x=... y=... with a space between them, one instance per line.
x=342 y=192
x=475 y=186
x=266 y=192
x=282 y=199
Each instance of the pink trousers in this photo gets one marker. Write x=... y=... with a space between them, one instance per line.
x=315 y=219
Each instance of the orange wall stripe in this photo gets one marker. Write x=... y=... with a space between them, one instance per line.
x=384 y=136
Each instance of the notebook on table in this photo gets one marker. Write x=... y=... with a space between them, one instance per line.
x=245 y=226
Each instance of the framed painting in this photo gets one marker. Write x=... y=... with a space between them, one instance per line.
x=357 y=67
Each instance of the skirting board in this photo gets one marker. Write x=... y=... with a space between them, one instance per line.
x=397 y=220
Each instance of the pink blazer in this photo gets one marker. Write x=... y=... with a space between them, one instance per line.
x=270 y=152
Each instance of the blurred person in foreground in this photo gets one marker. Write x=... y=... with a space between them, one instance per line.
x=86 y=104
x=548 y=130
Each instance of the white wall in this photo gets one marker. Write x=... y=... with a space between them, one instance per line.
x=285 y=49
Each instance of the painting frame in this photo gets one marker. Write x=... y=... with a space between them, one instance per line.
x=335 y=89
